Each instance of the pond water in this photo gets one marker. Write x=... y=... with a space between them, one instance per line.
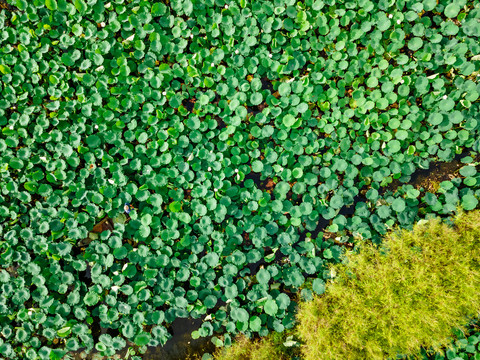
x=180 y=347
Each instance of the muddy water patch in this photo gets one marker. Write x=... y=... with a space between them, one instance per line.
x=181 y=346
x=429 y=179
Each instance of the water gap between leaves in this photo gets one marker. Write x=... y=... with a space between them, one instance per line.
x=181 y=346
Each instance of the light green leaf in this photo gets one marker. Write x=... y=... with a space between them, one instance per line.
x=51 y=4
x=289 y=120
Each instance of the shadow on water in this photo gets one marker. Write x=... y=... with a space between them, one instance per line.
x=180 y=347
x=428 y=179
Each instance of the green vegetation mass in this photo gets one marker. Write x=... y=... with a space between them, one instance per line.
x=248 y=143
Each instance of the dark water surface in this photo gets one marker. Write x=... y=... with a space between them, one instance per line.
x=180 y=347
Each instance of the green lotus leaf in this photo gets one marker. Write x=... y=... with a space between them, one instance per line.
x=398 y=205
x=263 y=276
x=231 y=292
x=270 y=307
x=210 y=301
x=175 y=206
x=469 y=202
x=91 y=298
x=256 y=98
x=255 y=323
x=289 y=120
x=51 y=4
x=142 y=339
x=451 y=10
x=468 y=170
x=415 y=43
x=435 y=119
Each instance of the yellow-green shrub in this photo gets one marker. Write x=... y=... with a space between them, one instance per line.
x=393 y=301
x=245 y=349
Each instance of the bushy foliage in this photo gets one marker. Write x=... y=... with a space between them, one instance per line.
x=245 y=349
x=409 y=293
x=233 y=132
